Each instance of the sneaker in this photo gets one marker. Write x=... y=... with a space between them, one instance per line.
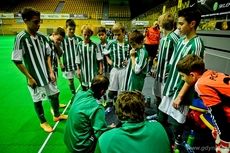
x=61 y=117
x=62 y=105
x=152 y=117
x=46 y=127
x=108 y=110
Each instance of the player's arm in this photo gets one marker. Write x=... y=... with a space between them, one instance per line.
x=60 y=63
x=100 y=67
x=183 y=91
x=31 y=82
x=133 y=57
x=52 y=77
x=59 y=50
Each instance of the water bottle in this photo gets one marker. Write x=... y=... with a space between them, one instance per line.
x=176 y=151
x=148 y=101
x=191 y=138
x=178 y=143
x=188 y=147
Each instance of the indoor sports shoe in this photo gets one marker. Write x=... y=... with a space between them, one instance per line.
x=61 y=117
x=62 y=105
x=46 y=127
x=152 y=117
x=108 y=110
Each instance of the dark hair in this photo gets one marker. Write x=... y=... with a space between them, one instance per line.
x=191 y=14
x=130 y=106
x=101 y=29
x=99 y=83
x=29 y=12
x=191 y=63
x=70 y=22
x=136 y=36
x=60 y=31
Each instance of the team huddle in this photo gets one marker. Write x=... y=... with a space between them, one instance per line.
x=119 y=66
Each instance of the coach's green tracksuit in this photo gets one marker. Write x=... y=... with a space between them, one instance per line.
x=134 y=137
x=86 y=122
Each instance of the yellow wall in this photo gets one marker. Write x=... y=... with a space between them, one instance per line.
x=10 y=26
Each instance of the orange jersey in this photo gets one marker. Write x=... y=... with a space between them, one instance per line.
x=152 y=36
x=214 y=88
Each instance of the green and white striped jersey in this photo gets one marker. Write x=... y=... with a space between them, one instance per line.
x=87 y=56
x=69 y=47
x=53 y=55
x=166 y=49
x=118 y=53
x=34 y=52
x=193 y=46
x=134 y=78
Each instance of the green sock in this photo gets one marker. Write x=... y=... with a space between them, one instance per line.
x=55 y=104
x=40 y=111
x=72 y=88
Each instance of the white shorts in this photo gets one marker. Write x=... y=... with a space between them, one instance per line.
x=70 y=74
x=178 y=114
x=158 y=88
x=42 y=93
x=117 y=76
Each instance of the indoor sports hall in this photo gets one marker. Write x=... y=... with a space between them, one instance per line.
x=20 y=130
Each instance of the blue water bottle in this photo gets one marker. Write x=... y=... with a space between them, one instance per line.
x=188 y=147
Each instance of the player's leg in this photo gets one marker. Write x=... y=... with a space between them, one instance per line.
x=53 y=94
x=36 y=95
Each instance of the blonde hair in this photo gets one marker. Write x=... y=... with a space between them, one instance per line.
x=166 y=21
x=118 y=26
x=87 y=28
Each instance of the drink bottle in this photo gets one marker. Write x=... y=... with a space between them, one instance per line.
x=191 y=138
x=188 y=147
x=178 y=142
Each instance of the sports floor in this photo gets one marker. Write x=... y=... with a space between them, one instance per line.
x=20 y=130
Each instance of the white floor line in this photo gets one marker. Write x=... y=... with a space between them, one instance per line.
x=48 y=137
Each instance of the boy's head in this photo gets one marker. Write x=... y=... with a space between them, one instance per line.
x=99 y=85
x=136 y=39
x=118 y=30
x=191 y=67
x=155 y=25
x=101 y=33
x=166 y=21
x=70 y=27
x=130 y=106
x=86 y=32
x=58 y=35
x=31 y=18
x=188 y=20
